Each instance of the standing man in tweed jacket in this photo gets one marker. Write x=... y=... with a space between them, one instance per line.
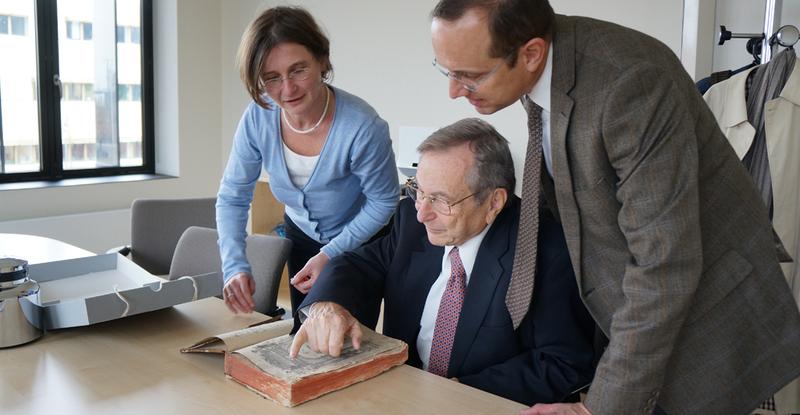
x=671 y=245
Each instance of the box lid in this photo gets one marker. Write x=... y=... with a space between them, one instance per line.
x=84 y=291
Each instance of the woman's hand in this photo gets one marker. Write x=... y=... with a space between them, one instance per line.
x=238 y=293
x=304 y=279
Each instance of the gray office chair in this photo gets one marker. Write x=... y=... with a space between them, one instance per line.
x=157 y=224
x=197 y=253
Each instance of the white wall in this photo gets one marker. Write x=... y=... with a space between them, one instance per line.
x=698 y=29
x=658 y=18
x=738 y=16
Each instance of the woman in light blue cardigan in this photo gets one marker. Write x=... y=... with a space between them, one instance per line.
x=327 y=152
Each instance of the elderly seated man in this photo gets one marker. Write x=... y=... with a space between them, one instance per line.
x=443 y=272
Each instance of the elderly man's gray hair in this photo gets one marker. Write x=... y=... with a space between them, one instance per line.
x=493 y=168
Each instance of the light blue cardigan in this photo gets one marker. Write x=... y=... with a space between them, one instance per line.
x=350 y=195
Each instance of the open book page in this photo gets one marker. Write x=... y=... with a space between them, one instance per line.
x=272 y=356
x=238 y=339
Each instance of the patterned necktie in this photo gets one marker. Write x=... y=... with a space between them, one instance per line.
x=520 y=289
x=447 y=318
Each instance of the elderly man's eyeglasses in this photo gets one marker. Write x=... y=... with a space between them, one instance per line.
x=440 y=206
x=469 y=81
x=274 y=83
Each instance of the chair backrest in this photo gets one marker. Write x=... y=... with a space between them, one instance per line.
x=197 y=253
x=157 y=224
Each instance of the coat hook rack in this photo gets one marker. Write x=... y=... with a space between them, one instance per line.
x=726 y=35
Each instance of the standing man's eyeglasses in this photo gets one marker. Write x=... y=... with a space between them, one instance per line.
x=470 y=82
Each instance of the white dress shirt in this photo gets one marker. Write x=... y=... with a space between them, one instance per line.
x=540 y=94
x=468 y=251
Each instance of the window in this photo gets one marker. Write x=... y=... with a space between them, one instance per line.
x=136 y=36
x=73 y=30
x=128 y=34
x=136 y=92
x=89 y=111
x=77 y=92
x=87 y=31
x=129 y=92
x=13 y=25
x=79 y=30
x=19 y=25
x=122 y=92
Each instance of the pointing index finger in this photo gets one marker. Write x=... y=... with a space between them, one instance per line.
x=299 y=340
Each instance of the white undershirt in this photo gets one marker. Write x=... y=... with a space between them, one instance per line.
x=300 y=167
x=540 y=94
x=468 y=251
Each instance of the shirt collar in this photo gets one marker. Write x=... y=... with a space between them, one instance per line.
x=468 y=251
x=540 y=94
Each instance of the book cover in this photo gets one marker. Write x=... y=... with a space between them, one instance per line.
x=237 y=339
x=267 y=369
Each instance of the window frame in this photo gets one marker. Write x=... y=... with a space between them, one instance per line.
x=50 y=140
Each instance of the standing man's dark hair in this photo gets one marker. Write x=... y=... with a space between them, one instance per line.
x=511 y=22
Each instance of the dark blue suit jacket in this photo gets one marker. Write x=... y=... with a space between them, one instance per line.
x=544 y=360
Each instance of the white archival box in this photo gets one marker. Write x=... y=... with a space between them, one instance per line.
x=84 y=291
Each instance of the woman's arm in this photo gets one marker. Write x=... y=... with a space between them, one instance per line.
x=372 y=161
x=236 y=193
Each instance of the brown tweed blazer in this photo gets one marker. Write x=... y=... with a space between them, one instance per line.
x=670 y=242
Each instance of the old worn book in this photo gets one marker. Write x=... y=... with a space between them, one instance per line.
x=232 y=340
x=267 y=369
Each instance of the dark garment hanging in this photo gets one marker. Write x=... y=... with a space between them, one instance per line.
x=753 y=47
x=704 y=84
x=763 y=85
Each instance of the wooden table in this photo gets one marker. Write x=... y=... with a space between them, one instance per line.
x=133 y=366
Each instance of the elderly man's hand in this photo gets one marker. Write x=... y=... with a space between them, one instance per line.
x=557 y=409
x=325 y=328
